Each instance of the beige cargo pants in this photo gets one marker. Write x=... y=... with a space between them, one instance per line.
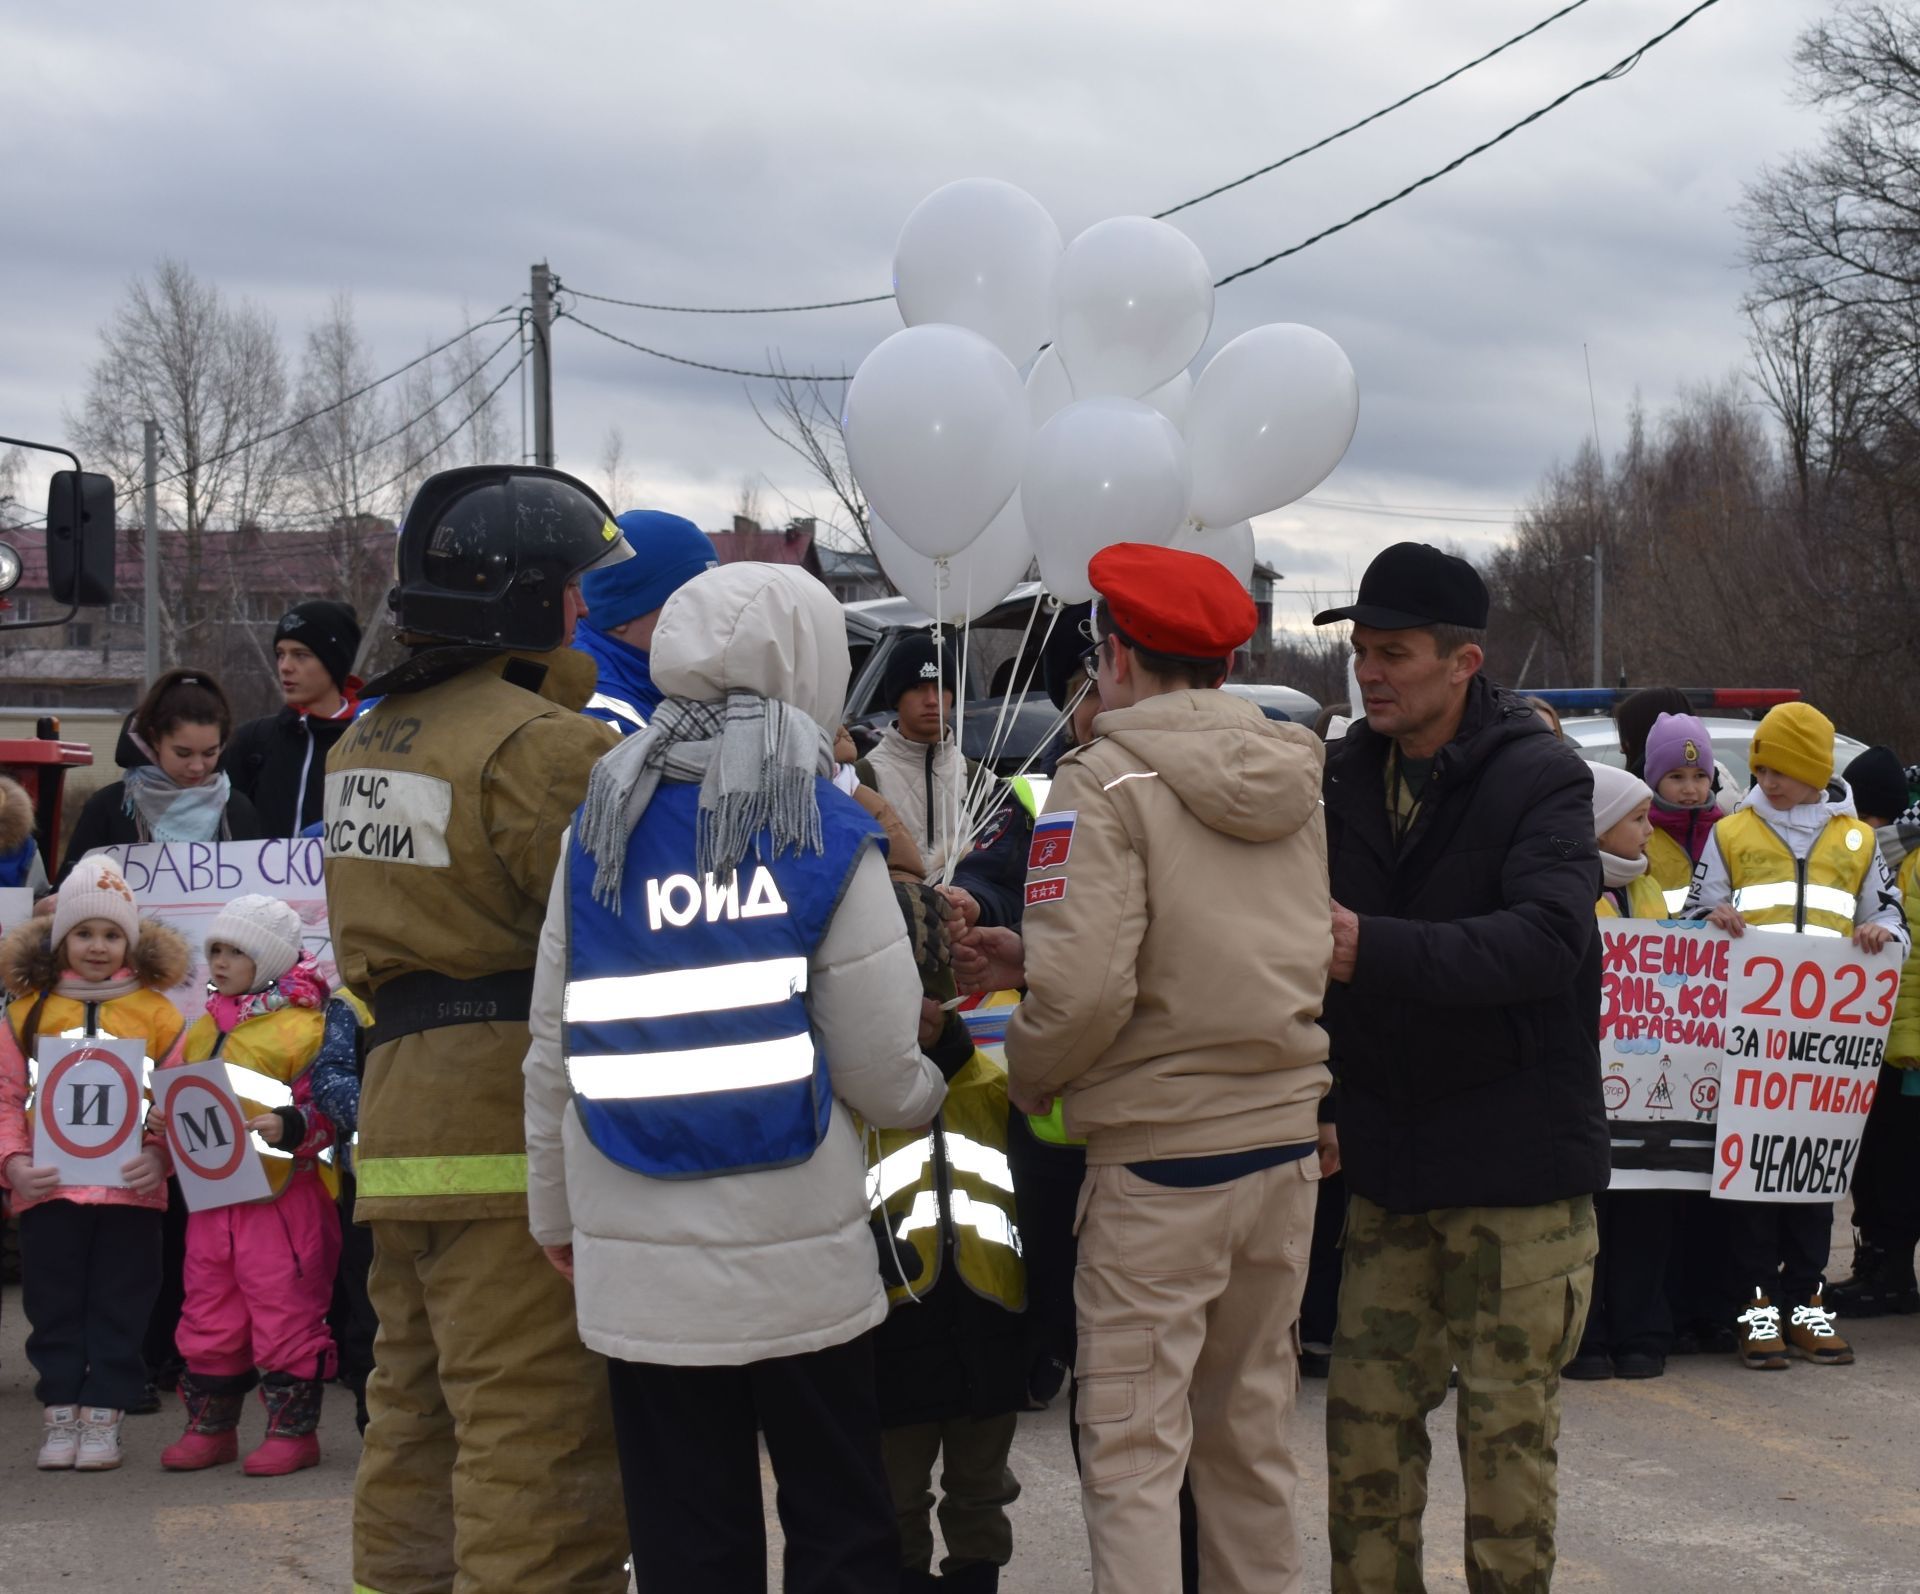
x=1188 y=1303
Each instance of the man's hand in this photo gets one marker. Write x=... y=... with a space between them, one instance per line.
x=1872 y=937
x=933 y=1019
x=1329 y=1151
x=988 y=958
x=965 y=906
x=28 y=1182
x=1032 y=1106
x=1346 y=944
x=561 y=1256
x=268 y=1127
x=1727 y=917
x=144 y=1173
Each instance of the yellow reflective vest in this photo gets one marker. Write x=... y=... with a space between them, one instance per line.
x=949 y=1190
x=1670 y=869
x=1815 y=895
x=265 y=1055
x=1645 y=900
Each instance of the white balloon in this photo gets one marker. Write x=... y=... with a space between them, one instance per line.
x=980 y=254
x=1173 y=399
x=1104 y=470
x=1231 y=545
x=978 y=576
x=937 y=429
x=1134 y=302
x=1272 y=414
x=1049 y=389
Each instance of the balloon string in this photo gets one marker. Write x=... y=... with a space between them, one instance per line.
x=1045 y=742
x=983 y=806
x=995 y=739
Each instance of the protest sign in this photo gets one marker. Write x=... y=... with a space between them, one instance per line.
x=89 y=1099
x=213 y=1155
x=16 y=906
x=1807 y=1026
x=1663 y=1041
x=186 y=883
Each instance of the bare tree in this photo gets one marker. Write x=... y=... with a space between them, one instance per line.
x=13 y=482
x=613 y=468
x=746 y=503
x=805 y=416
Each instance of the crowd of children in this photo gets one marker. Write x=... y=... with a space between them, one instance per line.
x=258 y=1276
x=1806 y=853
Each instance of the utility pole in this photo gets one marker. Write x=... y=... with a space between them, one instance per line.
x=150 y=538
x=542 y=365
x=1599 y=569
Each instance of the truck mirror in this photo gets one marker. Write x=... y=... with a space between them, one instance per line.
x=80 y=538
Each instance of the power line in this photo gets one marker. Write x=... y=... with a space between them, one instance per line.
x=1618 y=70
x=1387 y=110
x=699 y=365
x=762 y=309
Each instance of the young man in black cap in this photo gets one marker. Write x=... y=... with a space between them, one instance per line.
x=279 y=762
x=1463 y=1017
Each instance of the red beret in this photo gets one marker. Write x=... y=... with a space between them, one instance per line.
x=1174 y=602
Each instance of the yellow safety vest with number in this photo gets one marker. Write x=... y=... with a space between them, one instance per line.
x=1645 y=900
x=950 y=1187
x=1671 y=870
x=1774 y=890
x=264 y=1056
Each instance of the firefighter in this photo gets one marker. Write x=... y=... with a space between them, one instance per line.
x=489 y=1458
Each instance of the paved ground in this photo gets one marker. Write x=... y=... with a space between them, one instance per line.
x=1713 y=1478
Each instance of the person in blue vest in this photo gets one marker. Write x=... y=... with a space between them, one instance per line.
x=724 y=979
x=623 y=608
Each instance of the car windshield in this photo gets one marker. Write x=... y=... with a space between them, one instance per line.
x=1599 y=740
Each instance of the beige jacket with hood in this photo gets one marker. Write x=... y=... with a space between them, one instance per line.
x=747 y=1266
x=1177 y=945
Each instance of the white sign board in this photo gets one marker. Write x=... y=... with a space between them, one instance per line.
x=213 y=1155
x=1807 y=1028
x=89 y=1100
x=16 y=906
x=186 y=883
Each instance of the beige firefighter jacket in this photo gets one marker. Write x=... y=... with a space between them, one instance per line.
x=444 y=816
x=1178 y=934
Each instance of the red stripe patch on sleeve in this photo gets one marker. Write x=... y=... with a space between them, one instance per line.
x=1054 y=890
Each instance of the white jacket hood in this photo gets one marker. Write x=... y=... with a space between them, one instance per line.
x=771 y=630
x=1804 y=824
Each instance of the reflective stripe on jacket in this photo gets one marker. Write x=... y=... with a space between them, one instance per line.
x=689 y=1048
x=1774 y=890
x=268 y=1058
x=1671 y=870
x=949 y=1189
x=1645 y=900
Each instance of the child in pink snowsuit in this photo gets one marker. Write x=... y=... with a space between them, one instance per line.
x=259 y=1276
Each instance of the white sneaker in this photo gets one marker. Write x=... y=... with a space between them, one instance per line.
x=99 y=1440
x=60 y=1441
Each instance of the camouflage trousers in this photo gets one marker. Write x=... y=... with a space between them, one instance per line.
x=1501 y=1293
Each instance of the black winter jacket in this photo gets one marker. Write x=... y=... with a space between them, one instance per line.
x=1465 y=1045
x=279 y=763
x=105 y=822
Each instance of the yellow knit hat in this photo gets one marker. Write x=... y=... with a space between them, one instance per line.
x=1797 y=740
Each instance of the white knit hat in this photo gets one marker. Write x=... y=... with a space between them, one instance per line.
x=266 y=929
x=1615 y=795
x=96 y=890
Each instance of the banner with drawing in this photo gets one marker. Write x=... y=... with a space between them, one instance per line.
x=186 y=883
x=1744 y=1066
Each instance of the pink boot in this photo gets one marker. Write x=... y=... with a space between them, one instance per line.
x=293 y=1412
x=213 y=1412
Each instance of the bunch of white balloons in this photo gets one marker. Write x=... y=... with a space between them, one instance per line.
x=971 y=471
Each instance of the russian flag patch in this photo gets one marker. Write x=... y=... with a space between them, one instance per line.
x=1052 y=839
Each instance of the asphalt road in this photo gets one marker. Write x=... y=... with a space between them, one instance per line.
x=1712 y=1478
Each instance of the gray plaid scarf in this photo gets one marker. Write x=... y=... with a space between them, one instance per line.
x=755 y=759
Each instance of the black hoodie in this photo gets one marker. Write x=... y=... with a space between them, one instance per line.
x=1465 y=1046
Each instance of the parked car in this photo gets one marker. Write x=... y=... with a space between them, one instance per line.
x=1598 y=739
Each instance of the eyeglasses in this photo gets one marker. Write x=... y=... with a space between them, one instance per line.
x=1090 y=666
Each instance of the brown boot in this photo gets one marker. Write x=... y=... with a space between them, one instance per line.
x=1761 y=1346
x=1811 y=1333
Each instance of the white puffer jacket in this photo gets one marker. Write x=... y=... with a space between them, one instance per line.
x=748 y=1266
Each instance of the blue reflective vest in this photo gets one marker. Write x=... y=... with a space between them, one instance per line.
x=690 y=1051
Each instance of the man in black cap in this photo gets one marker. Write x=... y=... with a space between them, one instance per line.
x=1463 y=1011
x=279 y=762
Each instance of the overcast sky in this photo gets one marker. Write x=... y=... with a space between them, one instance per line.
x=422 y=158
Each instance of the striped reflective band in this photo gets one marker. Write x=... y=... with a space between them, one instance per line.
x=637 y=1076
x=982 y=1161
x=1676 y=898
x=387 y=1177
x=258 y=1087
x=1787 y=929
x=985 y=1219
x=718 y=989
x=897 y=1170
x=1785 y=894
x=618 y=706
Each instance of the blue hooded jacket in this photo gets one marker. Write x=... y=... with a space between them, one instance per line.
x=624 y=695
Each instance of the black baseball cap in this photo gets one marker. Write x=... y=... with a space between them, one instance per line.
x=1414 y=584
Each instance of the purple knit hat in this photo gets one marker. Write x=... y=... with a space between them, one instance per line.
x=1677 y=741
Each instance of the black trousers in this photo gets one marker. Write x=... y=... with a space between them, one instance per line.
x=1046 y=1184
x=88 y=1276
x=690 y=1469
x=1320 y=1305
x=1781 y=1246
x=352 y=1317
x=163 y=1322
x=1630 y=1314
x=1886 y=1179
x=1700 y=1274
